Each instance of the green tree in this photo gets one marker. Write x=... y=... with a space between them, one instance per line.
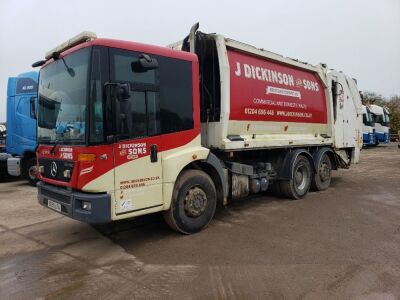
x=394 y=108
x=372 y=98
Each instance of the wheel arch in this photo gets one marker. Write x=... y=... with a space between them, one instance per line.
x=197 y=158
x=213 y=167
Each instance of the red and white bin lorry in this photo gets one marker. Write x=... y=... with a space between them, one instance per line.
x=128 y=129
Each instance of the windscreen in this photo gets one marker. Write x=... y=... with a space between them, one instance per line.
x=63 y=98
x=386 y=118
x=368 y=118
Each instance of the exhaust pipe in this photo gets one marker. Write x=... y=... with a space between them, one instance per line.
x=192 y=37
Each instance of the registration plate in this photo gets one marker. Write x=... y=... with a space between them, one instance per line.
x=54 y=205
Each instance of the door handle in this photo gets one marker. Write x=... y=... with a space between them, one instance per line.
x=153 y=153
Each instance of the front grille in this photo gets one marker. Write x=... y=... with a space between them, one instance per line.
x=61 y=166
x=56 y=196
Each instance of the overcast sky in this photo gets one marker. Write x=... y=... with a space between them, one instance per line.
x=361 y=38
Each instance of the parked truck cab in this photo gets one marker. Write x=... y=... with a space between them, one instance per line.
x=21 y=126
x=382 y=123
x=127 y=129
x=368 y=127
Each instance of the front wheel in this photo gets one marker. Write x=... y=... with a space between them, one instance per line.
x=193 y=202
x=300 y=182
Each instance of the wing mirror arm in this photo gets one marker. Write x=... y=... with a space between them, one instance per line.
x=120 y=91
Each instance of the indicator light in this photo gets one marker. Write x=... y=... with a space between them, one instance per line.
x=86 y=157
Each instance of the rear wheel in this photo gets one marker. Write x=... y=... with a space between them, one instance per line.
x=322 y=178
x=298 y=186
x=193 y=202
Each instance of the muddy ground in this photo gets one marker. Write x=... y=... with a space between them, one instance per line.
x=341 y=243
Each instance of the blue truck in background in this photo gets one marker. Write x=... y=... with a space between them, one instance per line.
x=19 y=157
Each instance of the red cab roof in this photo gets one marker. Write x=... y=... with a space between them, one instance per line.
x=133 y=46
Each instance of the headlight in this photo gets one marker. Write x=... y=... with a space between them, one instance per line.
x=67 y=173
x=86 y=205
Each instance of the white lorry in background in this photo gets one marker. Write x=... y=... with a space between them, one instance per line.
x=382 y=123
x=368 y=127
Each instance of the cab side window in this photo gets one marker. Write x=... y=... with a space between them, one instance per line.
x=176 y=94
x=139 y=114
x=160 y=99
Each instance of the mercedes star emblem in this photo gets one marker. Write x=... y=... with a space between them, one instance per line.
x=53 y=169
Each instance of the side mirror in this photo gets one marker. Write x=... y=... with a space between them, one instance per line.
x=144 y=64
x=121 y=91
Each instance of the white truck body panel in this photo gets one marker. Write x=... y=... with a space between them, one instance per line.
x=261 y=134
x=345 y=132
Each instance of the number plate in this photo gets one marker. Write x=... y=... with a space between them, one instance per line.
x=54 y=205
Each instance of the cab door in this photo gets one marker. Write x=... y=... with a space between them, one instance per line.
x=137 y=150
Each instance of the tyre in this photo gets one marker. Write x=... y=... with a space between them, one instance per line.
x=298 y=186
x=193 y=203
x=322 y=178
x=31 y=172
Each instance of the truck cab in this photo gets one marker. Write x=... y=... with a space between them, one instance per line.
x=21 y=125
x=382 y=123
x=116 y=121
x=368 y=127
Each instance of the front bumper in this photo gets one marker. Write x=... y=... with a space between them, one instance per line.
x=71 y=203
x=369 y=139
x=382 y=137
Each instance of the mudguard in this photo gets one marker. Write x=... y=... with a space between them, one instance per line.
x=217 y=165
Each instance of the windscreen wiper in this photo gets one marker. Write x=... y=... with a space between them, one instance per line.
x=71 y=72
x=56 y=142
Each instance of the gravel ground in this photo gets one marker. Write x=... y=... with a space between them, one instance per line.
x=341 y=243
